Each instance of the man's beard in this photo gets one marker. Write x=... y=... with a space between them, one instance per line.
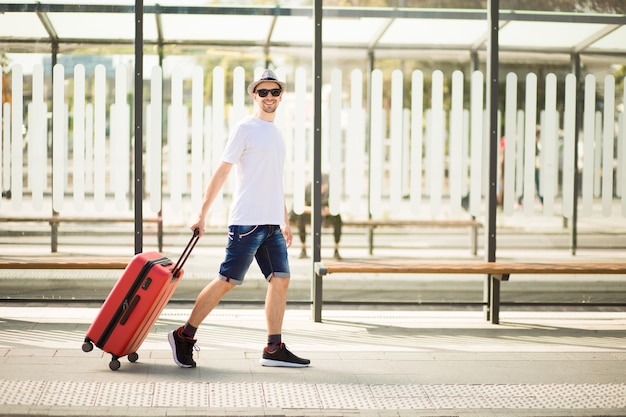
x=269 y=108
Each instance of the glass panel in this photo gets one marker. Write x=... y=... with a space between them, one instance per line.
x=21 y=25
x=434 y=32
x=293 y=29
x=94 y=25
x=216 y=27
x=613 y=41
x=546 y=34
x=350 y=31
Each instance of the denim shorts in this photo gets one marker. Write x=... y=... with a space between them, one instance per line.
x=265 y=243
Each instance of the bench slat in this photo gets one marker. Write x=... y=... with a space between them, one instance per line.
x=54 y=222
x=417 y=223
x=371 y=225
x=496 y=271
x=473 y=267
x=67 y=262
x=75 y=220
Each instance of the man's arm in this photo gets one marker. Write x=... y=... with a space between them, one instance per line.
x=286 y=229
x=215 y=185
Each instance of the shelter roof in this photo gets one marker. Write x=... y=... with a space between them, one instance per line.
x=396 y=30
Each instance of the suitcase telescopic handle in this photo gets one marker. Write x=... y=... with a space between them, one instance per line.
x=185 y=255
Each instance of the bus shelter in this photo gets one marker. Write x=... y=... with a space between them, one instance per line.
x=318 y=35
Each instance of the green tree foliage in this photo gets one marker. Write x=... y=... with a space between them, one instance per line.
x=620 y=76
x=4 y=61
x=581 y=6
x=4 y=79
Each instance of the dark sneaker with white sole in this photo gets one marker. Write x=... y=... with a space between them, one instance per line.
x=283 y=357
x=182 y=348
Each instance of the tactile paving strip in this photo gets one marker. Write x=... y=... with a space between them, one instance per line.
x=64 y=393
x=278 y=395
x=21 y=392
x=236 y=395
x=181 y=394
x=346 y=396
x=312 y=396
x=125 y=394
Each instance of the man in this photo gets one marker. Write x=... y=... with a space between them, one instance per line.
x=304 y=218
x=258 y=225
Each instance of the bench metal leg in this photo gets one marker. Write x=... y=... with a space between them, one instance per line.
x=317 y=297
x=160 y=230
x=370 y=232
x=474 y=239
x=487 y=298
x=491 y=298
x=54 y=233
x=492 y=295
x=494 y=300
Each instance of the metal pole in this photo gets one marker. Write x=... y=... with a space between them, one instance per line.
x=492 y=111
x=54 y=226
x=492 y=284
x=370 y=229
x=577 y=123
x=138 y=126
x=316 y=189
x=475 y=66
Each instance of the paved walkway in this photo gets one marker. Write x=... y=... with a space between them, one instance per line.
x=364 y=363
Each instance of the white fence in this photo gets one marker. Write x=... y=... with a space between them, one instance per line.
x=416 y=162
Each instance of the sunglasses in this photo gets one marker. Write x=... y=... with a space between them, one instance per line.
x=264 y=92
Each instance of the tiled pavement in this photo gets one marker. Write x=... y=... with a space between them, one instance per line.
x=364 y=363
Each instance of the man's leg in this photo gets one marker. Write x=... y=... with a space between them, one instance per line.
x=302 y=221
x=273 y=261
x=208 y=299
x=337 y=225
x=275 y=304
x=183 y=344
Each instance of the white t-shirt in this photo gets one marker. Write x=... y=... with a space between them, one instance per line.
x=257 y=149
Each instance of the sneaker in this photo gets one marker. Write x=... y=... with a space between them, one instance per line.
x=303 y=254
x=336 y=255
x=283 y=357
x=182 y=348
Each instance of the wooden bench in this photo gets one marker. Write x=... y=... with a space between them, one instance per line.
x=473 y=224
x=54 y=222
x=63 y=262
x=496 y=273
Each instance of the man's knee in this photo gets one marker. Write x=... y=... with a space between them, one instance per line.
x=223 y=285
x=279 y=283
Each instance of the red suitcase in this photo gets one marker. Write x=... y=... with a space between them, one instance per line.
x=135 y=303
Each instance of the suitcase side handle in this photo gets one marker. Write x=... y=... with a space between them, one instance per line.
x=185 y=255
x=129 y=310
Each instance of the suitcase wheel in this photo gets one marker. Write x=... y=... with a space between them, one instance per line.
x=87 y=346
x=114 y=365
x=133 y=357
